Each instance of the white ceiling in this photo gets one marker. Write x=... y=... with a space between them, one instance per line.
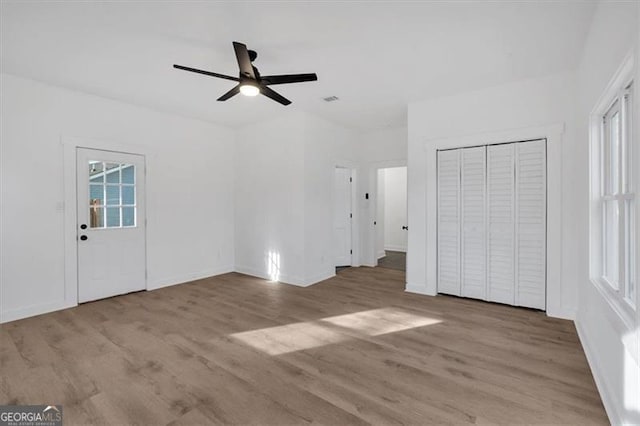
x=375 y=56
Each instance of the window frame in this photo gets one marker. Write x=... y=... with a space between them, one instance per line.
x=618 y=98
x=104 y=184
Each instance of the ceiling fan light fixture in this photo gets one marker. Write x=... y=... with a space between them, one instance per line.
x=249 y=90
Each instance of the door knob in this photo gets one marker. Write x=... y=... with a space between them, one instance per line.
x=83 y=237
x=405 y=228
x=83 y=226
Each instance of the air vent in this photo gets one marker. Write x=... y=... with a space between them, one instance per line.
x=330 y=98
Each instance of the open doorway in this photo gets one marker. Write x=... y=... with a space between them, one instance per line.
x=391 y=218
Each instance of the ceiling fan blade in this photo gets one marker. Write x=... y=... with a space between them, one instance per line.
x=269 y=93
x=244 y=62
x=288 y=78
x=230 y=93
x=209 y=73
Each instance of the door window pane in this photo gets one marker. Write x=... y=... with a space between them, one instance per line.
x=96 y=193
x=95 y=171
x=128 y=195
x=128 y=173
x=128 y=216
x=113 y=172
x=113 y=185
x=113 y=195
x=96 y=217
x=113 y=217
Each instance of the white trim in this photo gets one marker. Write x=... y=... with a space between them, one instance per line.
x=554 y=135
x=320 y=277
x=418 y=289
x=69 y=148
x=34 y=310
x=185 y=278
x=395 y=248
x=259 y=273
x=370 y=252
x=602 y=383
x=615 y=299
x=381 y=254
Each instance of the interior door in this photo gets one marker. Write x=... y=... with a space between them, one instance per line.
x=473 y=217
x=449 y=222
x=342 y=216
x=531 y=224
x=111 y=223
x=501 y=241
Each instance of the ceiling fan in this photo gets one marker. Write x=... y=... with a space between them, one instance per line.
x=250 y=82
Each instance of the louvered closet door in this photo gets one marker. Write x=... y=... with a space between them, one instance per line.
x=500 y=221
x=531 y=212
x=473 y=222
x=449 y=222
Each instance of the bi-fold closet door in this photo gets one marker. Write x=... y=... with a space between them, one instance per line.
x=492 y=223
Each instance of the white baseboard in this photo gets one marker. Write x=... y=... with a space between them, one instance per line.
x=320 y=277
x=396 y=248
x=34 y=310
x=567 y=314
x=381 y=254
x=602 y=383
x=417 y=289
x=185 y=278
x=259 y=273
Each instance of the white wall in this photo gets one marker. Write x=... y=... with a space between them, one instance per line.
x=612 y=348
x=524 y=104
x=284 y=188
x=270 y=198
x=379 y=218
x=189 y=190
x=326 y=145
x=377 y=150
x=395 y=208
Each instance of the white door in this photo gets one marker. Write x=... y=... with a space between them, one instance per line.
x=342 y=216
x=111 y=224
x=531 y=226
x=501 y=241
x=473 y=217
x=449 y=222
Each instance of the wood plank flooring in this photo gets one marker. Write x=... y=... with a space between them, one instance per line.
x=355 y=349
x=393 y=260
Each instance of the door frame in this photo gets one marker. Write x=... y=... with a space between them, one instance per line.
x=375 y=209
x=70 y=227
x=556 y=306
x=371 y=254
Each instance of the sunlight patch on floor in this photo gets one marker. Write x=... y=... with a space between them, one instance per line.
x=290 y=337
x=381 y=321
x=312 y=334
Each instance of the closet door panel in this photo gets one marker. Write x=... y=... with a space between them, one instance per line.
x=500 y=222
x=449 y=222
x=473 y=215
x=531 y=212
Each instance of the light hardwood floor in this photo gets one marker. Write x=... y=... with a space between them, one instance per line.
x=355 y=349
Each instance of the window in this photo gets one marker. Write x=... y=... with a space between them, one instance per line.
x=613 y=195
x=112 y=195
